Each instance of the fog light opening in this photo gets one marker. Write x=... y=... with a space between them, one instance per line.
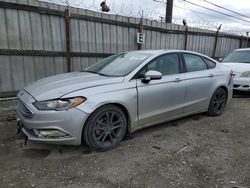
x=50 y=133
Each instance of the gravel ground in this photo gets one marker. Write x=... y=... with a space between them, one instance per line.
x=197 y=151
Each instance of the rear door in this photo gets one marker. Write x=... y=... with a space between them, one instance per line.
x=200 y=80
x=160 y=100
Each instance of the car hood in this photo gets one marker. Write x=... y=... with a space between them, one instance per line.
x=238 y=67
x=62 y=84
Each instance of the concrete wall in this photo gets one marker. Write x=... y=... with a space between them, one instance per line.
x=33 y=40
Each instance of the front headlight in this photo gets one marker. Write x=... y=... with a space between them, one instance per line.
x=59 y=104
x=245 y=74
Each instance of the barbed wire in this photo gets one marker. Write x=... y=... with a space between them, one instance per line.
x=131 y=10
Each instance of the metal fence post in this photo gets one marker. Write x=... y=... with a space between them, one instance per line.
x=215 y=42
x=68 y=39
x=186 y=38
x=241 y=41
x=247 y=33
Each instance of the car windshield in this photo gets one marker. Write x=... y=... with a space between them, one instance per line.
x=238 y=57
x=118 y=65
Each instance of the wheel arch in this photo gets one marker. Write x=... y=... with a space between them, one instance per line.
x=225 y=88
x=125 y=111
x=211 y=111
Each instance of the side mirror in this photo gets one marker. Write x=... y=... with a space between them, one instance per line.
x=151 y=75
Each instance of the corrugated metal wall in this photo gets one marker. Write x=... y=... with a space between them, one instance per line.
x=33 y=40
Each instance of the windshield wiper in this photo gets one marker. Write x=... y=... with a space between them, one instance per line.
x=96 y=73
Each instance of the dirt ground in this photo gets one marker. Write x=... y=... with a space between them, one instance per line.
x=197 y=151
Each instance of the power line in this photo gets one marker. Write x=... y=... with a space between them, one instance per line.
x=202 y=13
x=216 y=11
x=225 y=8
x=197 y=12
x=159 y=1
x=197 y=15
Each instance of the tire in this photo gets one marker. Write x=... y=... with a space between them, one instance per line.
x=105 y=128
x=218 y=102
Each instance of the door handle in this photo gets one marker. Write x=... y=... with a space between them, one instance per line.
x=210 y=75
x=177 y=80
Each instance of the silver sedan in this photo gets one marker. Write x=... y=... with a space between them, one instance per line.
x=122 y=93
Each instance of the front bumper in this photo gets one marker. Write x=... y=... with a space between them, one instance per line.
x=242 y=84
x=70 y=122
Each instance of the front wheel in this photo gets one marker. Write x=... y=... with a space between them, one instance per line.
x=105 y=128
x=218 y=102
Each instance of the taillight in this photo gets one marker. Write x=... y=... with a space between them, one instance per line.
x=232 y=73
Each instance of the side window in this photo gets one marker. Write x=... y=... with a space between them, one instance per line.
x=210 y=63
x=194 y=63
x=166 y=64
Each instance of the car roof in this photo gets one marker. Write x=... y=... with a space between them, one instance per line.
x=152 y=52
x=243 y=49
x=155 y=52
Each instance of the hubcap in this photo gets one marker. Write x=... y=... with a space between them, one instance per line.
x=108 y=128
x=219 y=101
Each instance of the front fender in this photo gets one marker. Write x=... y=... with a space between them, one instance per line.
x=124 y=94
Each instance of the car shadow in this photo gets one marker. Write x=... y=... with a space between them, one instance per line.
x=241 y=94
x=32 y=149
x=174 y=123
x=43 y=150
x=40 y=150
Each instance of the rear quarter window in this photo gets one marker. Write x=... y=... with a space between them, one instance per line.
x=211 y=64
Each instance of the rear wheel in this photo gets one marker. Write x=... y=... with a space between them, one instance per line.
x=105 y=128
x=218 y=102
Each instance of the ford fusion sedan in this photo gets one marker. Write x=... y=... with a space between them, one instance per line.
x=239 y=62
x=121 y=94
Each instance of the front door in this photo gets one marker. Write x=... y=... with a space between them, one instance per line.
x=161 y=100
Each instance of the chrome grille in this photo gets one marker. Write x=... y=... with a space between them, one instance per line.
x=24 y=110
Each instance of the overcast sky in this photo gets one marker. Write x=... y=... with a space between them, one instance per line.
x=194 y=15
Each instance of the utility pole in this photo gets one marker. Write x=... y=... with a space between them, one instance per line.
x=141 y=37
x=169 y=11
x=68 y=37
